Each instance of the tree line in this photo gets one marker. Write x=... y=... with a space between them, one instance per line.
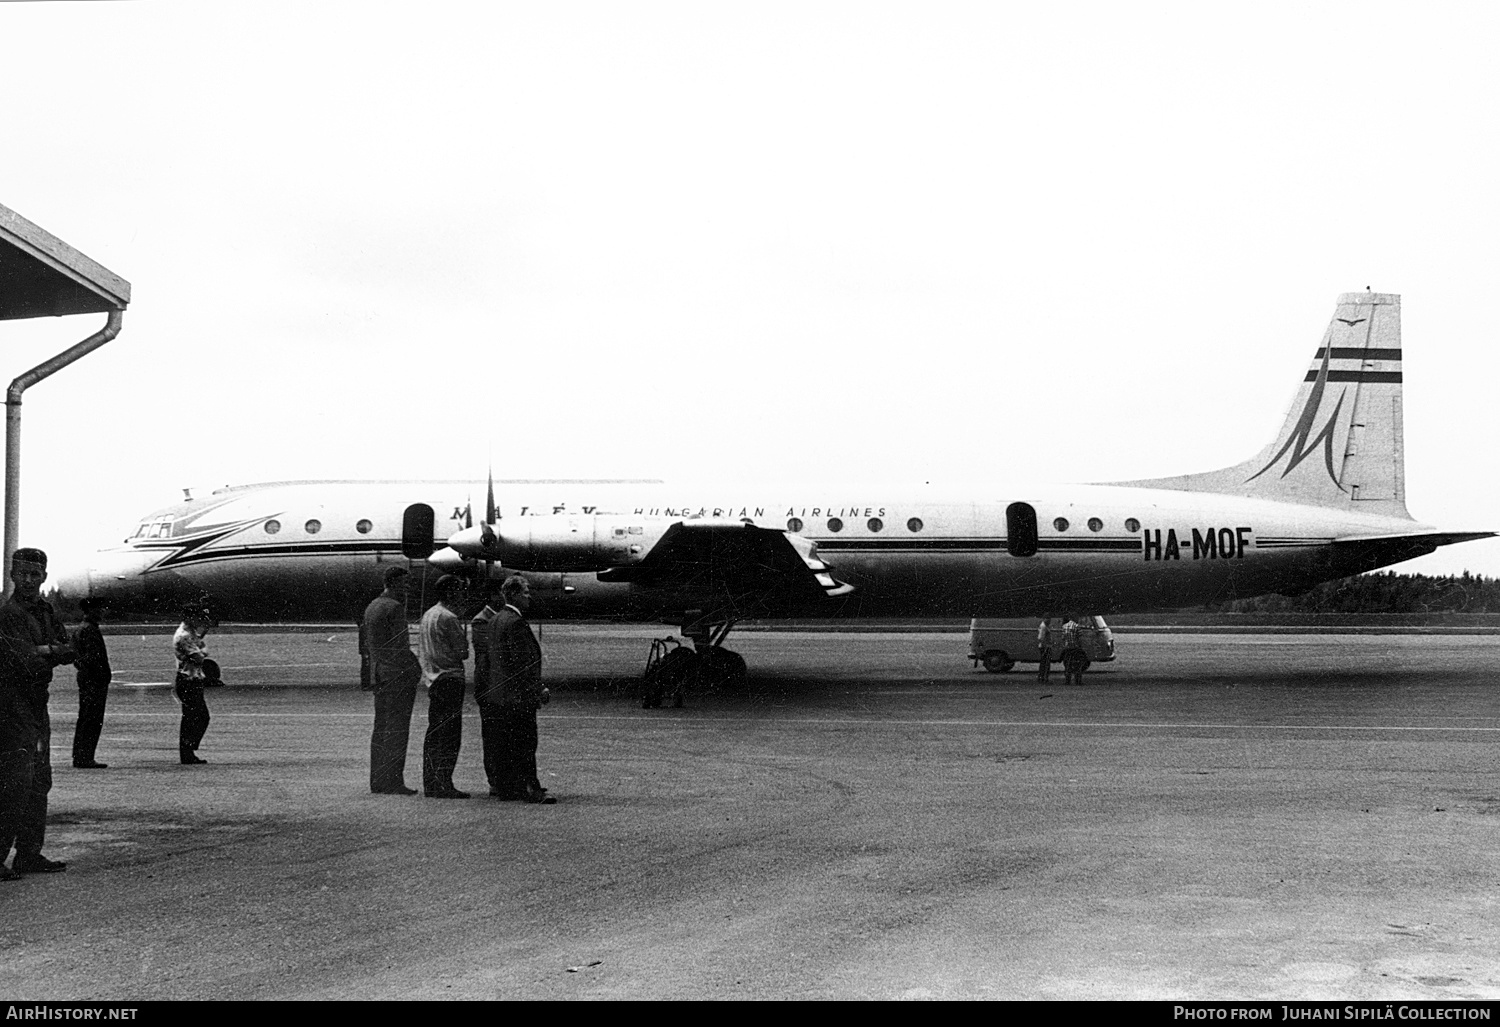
x=1383 y=592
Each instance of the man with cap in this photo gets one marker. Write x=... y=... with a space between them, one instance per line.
x=92 y=667
x=192 y=654
x=442 y=648
x=394 y=672
x=32 y=642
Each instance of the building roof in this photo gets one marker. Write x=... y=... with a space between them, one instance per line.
x=42 y=276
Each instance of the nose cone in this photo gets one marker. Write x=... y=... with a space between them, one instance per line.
x=116 y=576
x=73 y=582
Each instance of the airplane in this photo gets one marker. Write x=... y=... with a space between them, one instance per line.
x=1324 y=499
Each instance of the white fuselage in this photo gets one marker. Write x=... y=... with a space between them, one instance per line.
x=313 y=550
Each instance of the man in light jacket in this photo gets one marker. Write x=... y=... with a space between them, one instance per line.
x=442 y=648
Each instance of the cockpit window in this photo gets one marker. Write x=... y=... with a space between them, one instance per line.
x=155 y=529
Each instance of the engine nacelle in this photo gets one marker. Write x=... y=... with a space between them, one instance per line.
x=561 y=542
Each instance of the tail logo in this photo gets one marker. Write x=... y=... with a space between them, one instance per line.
x=1297 y=443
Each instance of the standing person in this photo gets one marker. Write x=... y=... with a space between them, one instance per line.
x=191 y=651
x=515 y=688
x=94 y=675
x=32 y=642
x=1044 y=648
x=395 y=672
x=1072 y=664
x=491 y=719
x=19 y=728
x=442 y=649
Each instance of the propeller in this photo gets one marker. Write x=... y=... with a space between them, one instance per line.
x=473 y=541
x=491 y=516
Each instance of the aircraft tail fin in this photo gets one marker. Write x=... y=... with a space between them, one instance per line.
x=1341 y=443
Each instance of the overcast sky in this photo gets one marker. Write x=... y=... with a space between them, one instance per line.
x=851 y=242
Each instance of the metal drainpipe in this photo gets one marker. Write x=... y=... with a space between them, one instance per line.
x=13 y=425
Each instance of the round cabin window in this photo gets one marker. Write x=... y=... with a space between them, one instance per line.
x=794 y=524
x=875 y=524
x=1095 y=524
x=273 y=526
x=915 y=524
x=313 y=526
x=363 y=527
x=834 y=524
x=1061 y=524
x=1131 y=524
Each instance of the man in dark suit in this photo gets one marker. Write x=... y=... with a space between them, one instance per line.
x=92 y=665
x=490 y=716
x=396 y=673
x=513 y=692
x=32 y=642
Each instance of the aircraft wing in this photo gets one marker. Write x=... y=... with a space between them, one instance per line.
x=745 y=566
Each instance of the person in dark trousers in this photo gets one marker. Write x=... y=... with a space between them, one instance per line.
x=442 y=649
x=394 y=673
x=490 y=716
x=92 y=666
x=32 y=642
x=19 y=728
x=1072 y=656
x=1044 y=649
x=516 y=691
x=191 y=652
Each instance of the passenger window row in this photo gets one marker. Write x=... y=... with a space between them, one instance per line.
x=1095 y=524
x=836 y=524
x=364 y=526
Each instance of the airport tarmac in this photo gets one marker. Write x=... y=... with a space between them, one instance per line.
x=1211 y=817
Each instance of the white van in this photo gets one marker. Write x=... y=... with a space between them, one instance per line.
x=1001 y=644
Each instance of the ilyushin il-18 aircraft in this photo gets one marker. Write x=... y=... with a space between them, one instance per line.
x=1323 y=500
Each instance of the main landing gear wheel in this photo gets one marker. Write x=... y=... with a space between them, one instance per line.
x=672 y=667
x=669 y=670
x=997 y=662
x=720 y=668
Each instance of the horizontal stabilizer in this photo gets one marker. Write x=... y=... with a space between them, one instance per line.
x=1433 y=538
x=1358 y=553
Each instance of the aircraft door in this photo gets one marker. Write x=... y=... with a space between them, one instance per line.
x=1020 y=529
x=417 y=525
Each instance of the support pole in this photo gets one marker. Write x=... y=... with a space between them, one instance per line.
x=13 y=425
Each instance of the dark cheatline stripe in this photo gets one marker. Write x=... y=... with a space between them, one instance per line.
x=830 y=546
x=909 y=545
x=1089 y=545
x=1360 y=353
x=1357 y=376
x=352 y=547
x=974 y=545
